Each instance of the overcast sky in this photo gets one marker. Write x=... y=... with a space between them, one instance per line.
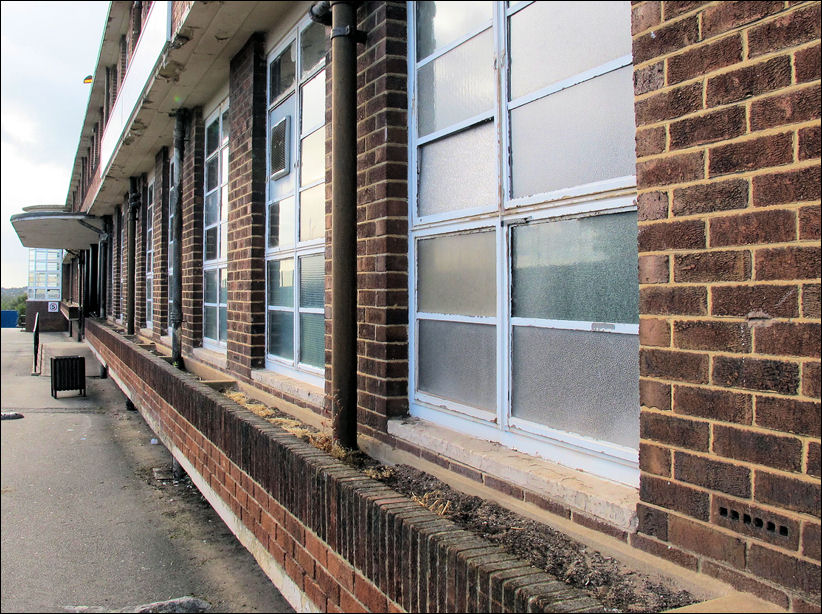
x=47 y=49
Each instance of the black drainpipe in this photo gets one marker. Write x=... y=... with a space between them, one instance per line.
x=344 y=38
x=133 y=206
x=176 y=205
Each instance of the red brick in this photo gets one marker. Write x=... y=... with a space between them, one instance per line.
x=784 y=570
x=705 y=59
x=710 y=197
x=706 y=541
x=674 y=169
x=702 y=335
x=800 y=605
x=789 y=339
x=650 y=141
x=726 y=16
x=791 y=186
x=722 y=405
x=749 y=81
x=369 y=595
x=713 y=266
x=773 y=150
x=787 y=263
x=654 y=332
x=713 y=474
x=349 y=604
x=810 y=301
x=675 y=8
x=755 y=447
x=654 y=459
x=649 y=78
x=665 y=39
x=807 y=62
x=751 y=520
x=653 y=269
x=809 y=223
x=809 y=142
x=665 y=551
x=341 y=570
x=652 y=206
x=743 y=582
x=673 y=301
x=810 y=379
x=645 y=15
x=790 y=108
x=789 y=415
x=681 y=366
x=793 y=28
x=769 y=226
x=652 y=521
x=788 y=493
x=810 y=540
x=758 y=301
x=315 y=594
x=674 y=496
x=755 y=374
x=653 y=394
x=671 y=235
x=674 y=431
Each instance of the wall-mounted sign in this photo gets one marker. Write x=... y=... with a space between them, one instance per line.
x=54 y=306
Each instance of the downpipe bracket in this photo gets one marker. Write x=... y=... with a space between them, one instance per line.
x=359 y=36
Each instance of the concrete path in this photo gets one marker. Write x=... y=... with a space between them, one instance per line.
x=86 y=522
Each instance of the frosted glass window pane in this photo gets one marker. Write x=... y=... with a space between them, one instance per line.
x=212 y=173
x=580 y=269
x=212 y=208
x=457 y=274
x=223 y=324
x=576 y=136
x=312 y=339
x=312 y=162
x=457 y=85
x=313 y=99
x=210 y=322
x=281 y=283
x=458 y=362
x=211 y=243
x=281 y=334
x=224 y=203
x=281 y=223
x=210 y=286
x=439 y=23
x=224 y=166
x=312 y=213
x=213 y=136
x=282 y=72
x=312 y=281
x=226 y=126
x=223 y=240
x=223 y=286
x=551 y=41
x=53 y=294
x=149 y=289
x=579 y=382
x=459 y=171
x=278 y=143
x=313 y=46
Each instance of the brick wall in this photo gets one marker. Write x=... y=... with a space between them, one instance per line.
x=345 y=541
x=727 y=112
x=382 y=218
x=192 y=244
x=116 y=253
x=246 y=216
x=140 y=258
x=49 y=321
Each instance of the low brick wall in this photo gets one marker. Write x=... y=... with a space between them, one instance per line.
x=347 y=542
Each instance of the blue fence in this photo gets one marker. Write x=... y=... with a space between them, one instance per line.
x=9 y=318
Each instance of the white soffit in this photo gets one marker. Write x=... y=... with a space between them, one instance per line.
x=57 y=229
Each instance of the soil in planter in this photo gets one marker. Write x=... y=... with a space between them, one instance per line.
x=617 y=587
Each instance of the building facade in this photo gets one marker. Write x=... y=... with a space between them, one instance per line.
x=587 y=275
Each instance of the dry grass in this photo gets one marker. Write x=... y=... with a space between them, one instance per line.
x=433 y=500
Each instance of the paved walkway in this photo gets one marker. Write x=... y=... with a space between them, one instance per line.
x=86 y=522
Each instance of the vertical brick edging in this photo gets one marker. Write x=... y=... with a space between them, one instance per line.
x=346 y=541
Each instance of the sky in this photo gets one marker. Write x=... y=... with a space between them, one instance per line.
x=47 y=49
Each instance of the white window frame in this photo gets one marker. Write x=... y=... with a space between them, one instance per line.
x=150 y=210
x=220 y=115
x=296 y=133
x=615 y=195
x=43 y=263
x=171 y=244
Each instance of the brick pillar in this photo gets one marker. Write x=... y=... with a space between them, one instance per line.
x=192 y=206
x=246 y=215
x=728 y=133
x=382 y=218
x=160 y=302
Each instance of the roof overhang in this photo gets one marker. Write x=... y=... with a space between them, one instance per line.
x=57 y=229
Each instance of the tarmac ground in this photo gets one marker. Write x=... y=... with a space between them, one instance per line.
x=91 y=517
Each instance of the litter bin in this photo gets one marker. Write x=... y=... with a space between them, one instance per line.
x=68 y=373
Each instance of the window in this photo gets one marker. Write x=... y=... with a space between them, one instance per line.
x=171 y=243
x=123 y=217
x=150 y=252
x=295 y=237
x=525 y=294
x=215 y=233
x=45 y=274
